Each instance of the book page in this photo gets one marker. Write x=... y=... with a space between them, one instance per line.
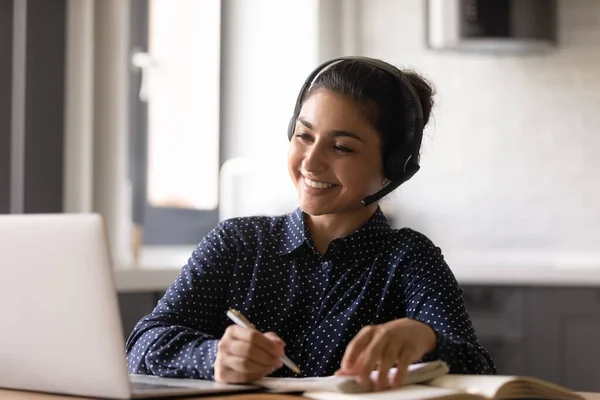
x=409 y=392
x=504 y=386
x=483 y=385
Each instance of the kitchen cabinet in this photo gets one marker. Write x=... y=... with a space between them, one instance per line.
x=498 y=316
x=546 y=332
x=563 y=335
x=133 y=306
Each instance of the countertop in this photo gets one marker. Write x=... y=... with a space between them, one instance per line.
x=500 y=269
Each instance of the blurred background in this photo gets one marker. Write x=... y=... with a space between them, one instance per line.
x=167 y=116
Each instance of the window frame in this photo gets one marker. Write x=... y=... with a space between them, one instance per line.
x=160 y=226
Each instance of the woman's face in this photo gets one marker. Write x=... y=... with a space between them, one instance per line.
x=334 y=156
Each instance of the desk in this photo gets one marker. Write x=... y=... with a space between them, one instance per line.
x=19 y=395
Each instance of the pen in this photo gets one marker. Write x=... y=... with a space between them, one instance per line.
x=240 y=320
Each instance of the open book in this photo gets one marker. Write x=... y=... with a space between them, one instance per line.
x=425 y=381
x=444 y=387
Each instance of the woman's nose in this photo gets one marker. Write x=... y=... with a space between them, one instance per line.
x=315 y=159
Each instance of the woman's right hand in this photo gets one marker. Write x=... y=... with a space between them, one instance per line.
x=245 y=355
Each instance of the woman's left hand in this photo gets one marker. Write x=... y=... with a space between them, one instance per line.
x=380 y=347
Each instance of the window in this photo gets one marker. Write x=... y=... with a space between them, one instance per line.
x=175 y=142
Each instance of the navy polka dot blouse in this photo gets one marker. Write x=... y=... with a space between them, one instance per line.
x=269 y=269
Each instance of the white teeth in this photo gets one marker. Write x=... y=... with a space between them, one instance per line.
x=317 y=185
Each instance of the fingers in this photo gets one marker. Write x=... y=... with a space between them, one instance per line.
x=379 y=348
x=251 y=344
x=355 y=348
x=257 y=339
x=402 y=364
x=224 y=374
x=372 y=355
x=386 y=362
x=272 y=336
x=248 y=367
x=246 y=351
x=244 y=355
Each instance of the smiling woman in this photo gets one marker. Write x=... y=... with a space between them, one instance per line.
x=332 y=284
x=335 y=162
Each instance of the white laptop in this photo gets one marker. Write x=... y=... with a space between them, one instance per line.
x=60 y=327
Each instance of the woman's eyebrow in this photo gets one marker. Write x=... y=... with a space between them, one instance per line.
x=334 y=133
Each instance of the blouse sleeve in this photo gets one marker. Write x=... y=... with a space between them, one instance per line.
x=432 y=296
x=179 y=338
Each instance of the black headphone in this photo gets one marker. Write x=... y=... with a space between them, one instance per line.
x=403 y=161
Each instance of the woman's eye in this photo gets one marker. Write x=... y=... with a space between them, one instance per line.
x=303 y=136
x=343 y=149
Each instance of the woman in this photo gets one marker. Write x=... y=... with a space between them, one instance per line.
x=344 y=292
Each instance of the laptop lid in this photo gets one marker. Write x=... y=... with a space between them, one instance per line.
x=61 y=328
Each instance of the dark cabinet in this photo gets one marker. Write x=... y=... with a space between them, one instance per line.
x=134 y=306
x=498 y=317
x=563 y=336
x=550 y=333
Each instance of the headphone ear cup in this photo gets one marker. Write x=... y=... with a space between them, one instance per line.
x=400 y=166
x=394 y=168
x=411 y=169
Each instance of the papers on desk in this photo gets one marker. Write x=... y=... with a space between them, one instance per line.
x=416 y=373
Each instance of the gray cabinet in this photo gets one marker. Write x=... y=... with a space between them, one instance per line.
x=134 y=306
x=563 y=336
x=498 y=316
x=550 y=333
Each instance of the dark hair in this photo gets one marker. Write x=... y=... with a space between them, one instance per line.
x=380 y=97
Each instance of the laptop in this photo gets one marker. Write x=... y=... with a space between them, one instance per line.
x=60 y=327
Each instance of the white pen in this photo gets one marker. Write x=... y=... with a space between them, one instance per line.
x=240 y=320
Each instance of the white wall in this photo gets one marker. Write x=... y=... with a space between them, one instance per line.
x=509 y=164
x=510 y=158
x=511 y=155
x=269 y=47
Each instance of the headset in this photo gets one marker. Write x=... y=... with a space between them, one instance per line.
x=403 y=161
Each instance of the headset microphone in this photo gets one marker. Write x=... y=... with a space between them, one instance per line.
x=390 y=187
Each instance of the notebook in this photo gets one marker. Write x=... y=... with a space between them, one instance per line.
x=451 y=387
x=416 y=373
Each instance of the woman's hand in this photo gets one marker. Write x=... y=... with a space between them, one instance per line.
x=396 y=343
x=245 y=355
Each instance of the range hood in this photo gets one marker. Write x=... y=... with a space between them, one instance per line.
x=496 y=26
